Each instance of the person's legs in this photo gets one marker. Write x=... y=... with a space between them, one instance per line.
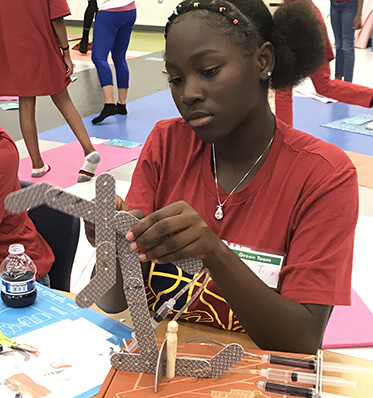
x=349 y=10
x=122 y=100
x=63 y=102
x=104 y=34
x=30 y=135
x=119 y=57
x=336 y=21
x=89 y=14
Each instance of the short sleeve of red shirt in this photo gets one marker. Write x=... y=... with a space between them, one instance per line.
x=58 y=8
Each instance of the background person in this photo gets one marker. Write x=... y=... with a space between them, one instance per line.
x=89 y=14
x=112 y=32
x=18 y=228
x=339 y=90
x=35 y=61
x=346 y=17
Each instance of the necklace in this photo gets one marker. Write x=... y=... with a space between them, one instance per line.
x=219 y=208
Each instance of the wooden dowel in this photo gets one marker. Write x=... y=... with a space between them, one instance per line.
x=172 y=329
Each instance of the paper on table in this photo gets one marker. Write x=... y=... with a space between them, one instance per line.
x=74 y=358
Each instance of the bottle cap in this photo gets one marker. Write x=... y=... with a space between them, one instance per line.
x=16 y=248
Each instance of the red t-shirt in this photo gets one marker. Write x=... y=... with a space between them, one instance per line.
x=18 y=228
x=303 y=202
x=31 y=59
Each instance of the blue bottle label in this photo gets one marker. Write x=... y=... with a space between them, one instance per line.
x=18 y=288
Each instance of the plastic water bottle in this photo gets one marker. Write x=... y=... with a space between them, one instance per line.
x=17 y=270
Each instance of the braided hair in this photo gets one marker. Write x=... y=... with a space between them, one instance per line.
x=294 y=30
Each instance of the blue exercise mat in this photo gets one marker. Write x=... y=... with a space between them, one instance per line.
x=142 y=115
x=310 y=115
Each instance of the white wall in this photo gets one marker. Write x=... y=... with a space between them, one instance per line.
x=149 y=12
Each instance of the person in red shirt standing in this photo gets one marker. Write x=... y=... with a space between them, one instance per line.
x=339 y=90
x=35 y=61
x=18 y=228
x=228 y=181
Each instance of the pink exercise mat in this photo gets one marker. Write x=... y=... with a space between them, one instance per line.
x=363 y=35
x=350 y=326
x=66 y=161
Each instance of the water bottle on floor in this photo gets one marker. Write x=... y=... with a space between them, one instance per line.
x=17 y=270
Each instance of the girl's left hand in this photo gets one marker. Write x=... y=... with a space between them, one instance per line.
x=182 y=231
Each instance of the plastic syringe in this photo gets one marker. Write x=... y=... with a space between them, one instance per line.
x=305 y=378
x=304 y=363
x=293 y=390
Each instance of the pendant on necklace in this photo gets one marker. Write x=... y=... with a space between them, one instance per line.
x=219 y=212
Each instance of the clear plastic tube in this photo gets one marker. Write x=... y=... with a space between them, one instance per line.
x=344 y=368
x=329 y=395
x=195 y=295
x=306 y=378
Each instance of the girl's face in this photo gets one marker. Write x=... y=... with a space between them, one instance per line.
x=216 y=86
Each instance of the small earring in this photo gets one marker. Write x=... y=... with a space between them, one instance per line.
x=269 y=73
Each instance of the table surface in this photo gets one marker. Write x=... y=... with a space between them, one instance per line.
x=189 y=330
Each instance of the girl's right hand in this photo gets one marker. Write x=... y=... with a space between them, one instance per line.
x=68 y=63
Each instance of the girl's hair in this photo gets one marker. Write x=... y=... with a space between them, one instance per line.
x=294 y=30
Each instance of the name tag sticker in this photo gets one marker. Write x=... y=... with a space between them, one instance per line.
x=266 y=266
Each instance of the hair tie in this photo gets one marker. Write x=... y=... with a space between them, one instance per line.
x=231 y=12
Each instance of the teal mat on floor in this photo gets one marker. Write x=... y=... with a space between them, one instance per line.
x=356 y=124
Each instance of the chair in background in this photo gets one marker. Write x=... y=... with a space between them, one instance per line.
x=61 y=232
